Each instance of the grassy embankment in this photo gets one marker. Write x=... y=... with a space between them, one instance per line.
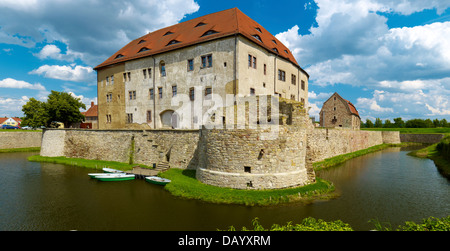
x=439 y=130
x=439 y=153
x=13 y=150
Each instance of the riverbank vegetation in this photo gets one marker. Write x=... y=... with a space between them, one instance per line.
x=312 y=224
x=439 y=130
x=184 y=184
x=439 y=153
x=13 y=150
x=412 y=123
x=336 y=160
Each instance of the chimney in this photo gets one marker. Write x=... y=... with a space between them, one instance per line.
x=92 y=103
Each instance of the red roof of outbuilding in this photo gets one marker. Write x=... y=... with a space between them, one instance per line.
x=213 y=26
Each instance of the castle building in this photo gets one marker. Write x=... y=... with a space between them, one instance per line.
x=195 y=64
x=339 y=112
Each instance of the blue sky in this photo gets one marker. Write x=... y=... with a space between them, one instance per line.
x=391 y=58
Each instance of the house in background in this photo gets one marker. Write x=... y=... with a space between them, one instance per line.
x=339 y=112
x=13 y=121
x=91 y=120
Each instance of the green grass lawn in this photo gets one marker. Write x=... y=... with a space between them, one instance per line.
x=184 y=184
x=439 y=130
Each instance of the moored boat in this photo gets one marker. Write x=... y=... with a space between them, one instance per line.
x=110 y=170
x=157 y=180
x=115 y=177
x=92 y=175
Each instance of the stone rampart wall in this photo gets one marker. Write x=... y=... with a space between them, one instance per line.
x=136 y=146
x=243 y=159
x=327 y=143
x=11 y=140
x=422 y=138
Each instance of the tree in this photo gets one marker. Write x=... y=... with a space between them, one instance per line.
x=378 y=123
x=369 y=123
x=35 y=114
x=399 y=123
x=60 y=107
x=387 y=124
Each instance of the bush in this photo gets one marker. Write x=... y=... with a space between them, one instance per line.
x=443 y=148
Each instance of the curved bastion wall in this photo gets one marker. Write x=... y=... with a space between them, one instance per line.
x=245 y=159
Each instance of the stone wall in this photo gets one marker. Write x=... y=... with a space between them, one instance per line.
x=136 y=146
x=327 y=143
x=422 y=138
x=242 y=159
x=11 y=140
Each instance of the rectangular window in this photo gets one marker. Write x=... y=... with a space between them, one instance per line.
x=251 y=61
x=208 y=92
x=293 y=97
x=252 y=91
x=129 y=118
x=108 y=118
x=160 y=92
x=129 y=76
x=149 y=116
x=163 y=70
x=293 y=79
x=109 y=97
x=281 y=75
x=107 y=80
x=149 y=72
x=192 y=94
x=132 y=95
x=144 y=72
x=190 y=65
x=112 y=80
x=124 y=77
x=303 y=85
x=174 y=91
x=207 y=61
x=265 y=69
x=152 y=94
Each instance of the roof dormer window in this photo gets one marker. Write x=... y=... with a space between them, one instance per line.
x=258 y=29
x=210 y=32
x=173 y=42
x=142 y=41
x=275 y=42
x=286 y=51
x=257 y=37
x=200 y=24
x=168 y=33
x=119 y=56
x=275 y=50
x=143 y=49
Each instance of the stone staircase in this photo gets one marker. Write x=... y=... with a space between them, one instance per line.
x=162 y=166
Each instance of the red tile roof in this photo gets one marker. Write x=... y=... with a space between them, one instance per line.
x=92 y=111
x=2 y=120
x=352 y=108
x=213 y=26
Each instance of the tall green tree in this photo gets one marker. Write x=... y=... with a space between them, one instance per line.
x=378 y=123
x=63 y=107
x=369 y=123
x=399 y=123
x=60 y=107
x=35 y=114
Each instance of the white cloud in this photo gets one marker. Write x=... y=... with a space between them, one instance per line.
x=18 y=84
x=95 y=29
x=73 y=72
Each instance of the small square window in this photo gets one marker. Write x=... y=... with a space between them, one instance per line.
x=247 y=169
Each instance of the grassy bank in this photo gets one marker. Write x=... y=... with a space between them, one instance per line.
x=330 y=162
x=439 y=153
x=312 y=224
x=13 y=150
x=439 y=130
x=93 y=164
x=184 y=184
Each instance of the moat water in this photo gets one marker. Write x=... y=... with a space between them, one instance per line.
x=389 y=186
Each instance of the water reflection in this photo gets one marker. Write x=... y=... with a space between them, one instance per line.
x=387 y=185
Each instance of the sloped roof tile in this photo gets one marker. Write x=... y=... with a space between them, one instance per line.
x=224 y=23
